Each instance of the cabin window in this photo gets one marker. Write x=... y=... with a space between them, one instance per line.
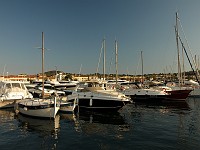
x=16 y=85
x=48 y=87
x=23 y=87
x=89 y=85
x=8 y=85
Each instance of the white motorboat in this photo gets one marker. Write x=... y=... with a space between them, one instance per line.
x=12 y=92
x=141 y=94
x=94 y=97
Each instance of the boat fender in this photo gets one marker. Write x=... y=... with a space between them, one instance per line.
x=122 y=88
x=91 y=102
x=25 y=108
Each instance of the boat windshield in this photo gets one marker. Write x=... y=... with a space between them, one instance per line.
x=16 y=85
x=8 y=86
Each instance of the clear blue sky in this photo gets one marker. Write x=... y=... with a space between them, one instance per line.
x=74 y=30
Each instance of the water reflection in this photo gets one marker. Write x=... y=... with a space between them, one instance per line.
x=40 y=125
x=100 y=123
x=142 y=126
x=165 y=104
x=6 y=115
x=46 y=129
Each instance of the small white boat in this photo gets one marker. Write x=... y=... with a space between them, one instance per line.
x=45 y=108
x=68 y=106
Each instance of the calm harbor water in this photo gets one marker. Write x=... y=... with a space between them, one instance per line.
x=134 y=127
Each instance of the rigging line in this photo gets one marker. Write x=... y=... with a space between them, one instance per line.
x=99 y=59
x=183 y=66
x=137 y=66
x=109 y=70
x=4 y=68
x=187 y=43
x=188 y=58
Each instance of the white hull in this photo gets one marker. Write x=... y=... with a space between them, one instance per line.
x=46 y=113
x=99 y=100
x=143 y=92
x=38 y=108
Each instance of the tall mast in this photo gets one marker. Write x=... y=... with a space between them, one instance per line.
x=178 y=51
x=183 y=66
x=42 y=65
x=142 y=68
x=116 y=60
x=80 y=70
x=104 y=58
x=56 y=74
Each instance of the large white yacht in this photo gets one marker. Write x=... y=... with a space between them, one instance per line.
x=94 y=96
x=11 y=92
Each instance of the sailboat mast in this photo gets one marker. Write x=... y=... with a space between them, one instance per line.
x=183 y=66
x=178 y=51
x=116 y=60
x=104 y=58
x=42 y=65
x=142 y=67
x=80 y=70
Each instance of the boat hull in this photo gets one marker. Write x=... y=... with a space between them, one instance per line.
x=100 y=103
x=178 y=95
x=85 y=103
x=45 y=113
x=37 y=108
x=171 y=96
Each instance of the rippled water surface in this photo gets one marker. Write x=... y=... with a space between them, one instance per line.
x=136 y=126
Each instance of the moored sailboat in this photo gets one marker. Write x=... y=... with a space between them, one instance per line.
x=46 y=108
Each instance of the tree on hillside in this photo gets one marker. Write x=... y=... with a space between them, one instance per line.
x=68 y=77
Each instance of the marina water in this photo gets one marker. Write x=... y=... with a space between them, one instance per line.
x=136 y=126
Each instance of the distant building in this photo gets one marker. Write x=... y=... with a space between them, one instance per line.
x=80 y=78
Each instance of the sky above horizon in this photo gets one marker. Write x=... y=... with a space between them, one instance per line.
x=74 y=30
